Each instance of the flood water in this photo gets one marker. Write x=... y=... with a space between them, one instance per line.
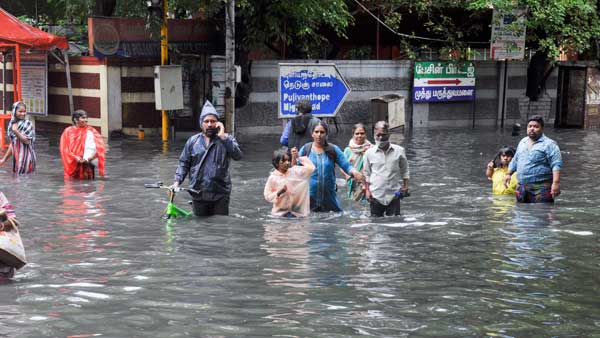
x=457 y=263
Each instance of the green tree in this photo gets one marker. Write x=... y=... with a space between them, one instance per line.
x=287 y=27
x=444 y=25
x=295 y=28
x=292 y=28
x=552 y=25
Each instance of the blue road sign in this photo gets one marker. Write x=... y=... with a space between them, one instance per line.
x=322 y=84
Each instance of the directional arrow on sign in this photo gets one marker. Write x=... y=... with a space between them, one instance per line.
x=321 y=83
x=455 y=82
x=443 y=81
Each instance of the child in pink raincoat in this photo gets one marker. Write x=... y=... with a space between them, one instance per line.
x=288 y=185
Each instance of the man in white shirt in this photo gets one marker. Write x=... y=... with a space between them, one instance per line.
x=386 y=173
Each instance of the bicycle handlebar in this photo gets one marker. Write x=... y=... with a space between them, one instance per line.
x=160 y=185
x=154 y=185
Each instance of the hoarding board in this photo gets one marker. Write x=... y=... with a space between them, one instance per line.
x=34 y=83
x=508 y=35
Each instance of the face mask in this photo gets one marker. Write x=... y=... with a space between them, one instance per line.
x=383 y=141
x=211 y=132
x=382 y=144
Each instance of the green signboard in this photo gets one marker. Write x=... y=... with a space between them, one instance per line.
x=436 y=81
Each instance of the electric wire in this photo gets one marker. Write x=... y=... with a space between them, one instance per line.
x=412 y=36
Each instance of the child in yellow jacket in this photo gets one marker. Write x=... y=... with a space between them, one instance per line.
x=496 y=170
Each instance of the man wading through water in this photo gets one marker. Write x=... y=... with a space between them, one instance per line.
x=386 y=172
x=205 y=157
x=538 y=163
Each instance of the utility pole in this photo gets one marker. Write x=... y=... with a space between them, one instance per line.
x=230 y=66
x=159 y=9
x=164 y=56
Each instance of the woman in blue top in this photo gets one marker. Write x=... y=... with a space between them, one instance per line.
x=323 y=196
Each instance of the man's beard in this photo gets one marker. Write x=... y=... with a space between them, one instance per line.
x=211 y=132
x=534 y=136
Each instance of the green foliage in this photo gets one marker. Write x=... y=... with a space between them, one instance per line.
x=298 y=26
x=408 y=52
x=360 y=53
x=448 y=22
x=56 y=12
x=69 y=11
x=554 y=25
x=293 y=24
x=131 y=8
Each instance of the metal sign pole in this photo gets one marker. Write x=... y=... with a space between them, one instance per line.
x=69 y=87
x=504 y=77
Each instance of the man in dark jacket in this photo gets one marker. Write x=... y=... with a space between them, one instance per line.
x=205 y=157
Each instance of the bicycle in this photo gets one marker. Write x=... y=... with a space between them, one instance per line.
x=171 y=211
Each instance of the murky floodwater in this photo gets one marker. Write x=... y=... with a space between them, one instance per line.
x=457 y=263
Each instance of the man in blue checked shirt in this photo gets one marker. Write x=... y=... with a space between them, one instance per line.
x=538 y=163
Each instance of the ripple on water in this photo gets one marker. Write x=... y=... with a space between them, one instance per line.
x=457 y=263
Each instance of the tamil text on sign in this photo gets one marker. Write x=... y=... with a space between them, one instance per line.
x=444 y=81
x=321 y=84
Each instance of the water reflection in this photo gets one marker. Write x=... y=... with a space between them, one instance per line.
x=526 y=266
x=317 y=254
x=81 y=220
x=501 y=207
x=287 y=242
x=531 y=244
x=9 y=308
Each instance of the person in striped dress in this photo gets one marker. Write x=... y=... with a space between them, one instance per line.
x=22 y=137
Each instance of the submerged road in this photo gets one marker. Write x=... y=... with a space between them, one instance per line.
x=457 y=263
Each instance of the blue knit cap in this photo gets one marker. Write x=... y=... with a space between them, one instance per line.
x=208 y=109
